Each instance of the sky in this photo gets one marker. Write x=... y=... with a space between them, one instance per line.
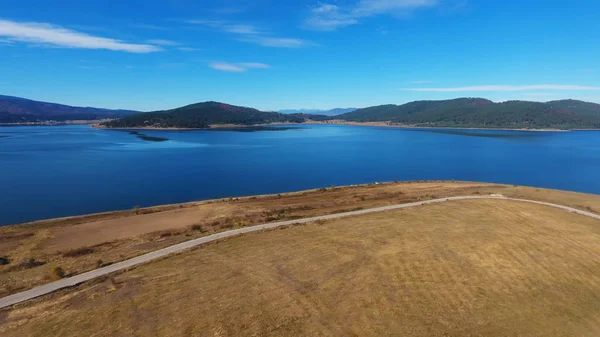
x=274 y=54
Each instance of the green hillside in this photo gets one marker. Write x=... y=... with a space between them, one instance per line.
x=478 y=112
x=202 y=115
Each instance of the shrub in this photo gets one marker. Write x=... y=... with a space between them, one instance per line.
x=78 y=252
x=99 y=264
x=30 y=263
x=199 y=227
x=322 y=189
x=56 y=273
x=166 y=234
x=4 y=260
x=136 y=209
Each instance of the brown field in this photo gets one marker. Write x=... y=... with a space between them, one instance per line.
x=461 y=268
x=79 y=244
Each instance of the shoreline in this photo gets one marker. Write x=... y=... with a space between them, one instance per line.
x=183 y=205
x=340 y=122
x=407 y=126
x=97 y=125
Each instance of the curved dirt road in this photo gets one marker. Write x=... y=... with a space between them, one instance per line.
x=71 y=281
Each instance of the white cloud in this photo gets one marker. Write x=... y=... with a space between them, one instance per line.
x=281 y=42
x=254 y=65
x=508 y=88
x=421 y=82
x=329 y=17
x=373 y=7
x=238 y=67
x=242 y=29
x=252 y=34
x=162 y=42
x=46 y=34
x=188 y=49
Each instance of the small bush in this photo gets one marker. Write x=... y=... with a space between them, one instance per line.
x=199 y=227
x=56 y=273
x=78 y=252
x=136 y=209
x=322 y=189
x=4 y=260
x=30 y=263
x=99 y=264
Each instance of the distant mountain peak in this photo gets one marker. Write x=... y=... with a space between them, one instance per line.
x=18 y=110
x=331 y=112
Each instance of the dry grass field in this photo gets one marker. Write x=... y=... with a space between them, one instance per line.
x=80 y=244
x=460 y=268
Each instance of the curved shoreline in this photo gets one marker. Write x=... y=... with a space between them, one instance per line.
x=346 y=123
x=180 y=247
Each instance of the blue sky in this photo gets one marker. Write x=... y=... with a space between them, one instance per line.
x=273 y=54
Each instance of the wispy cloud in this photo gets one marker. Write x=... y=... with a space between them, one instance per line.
x=188 y=49
x=329 y=17
x=508 y=88
x=162 y=42
x=281 y=42
x=49 y=35
x=420 y=82
x=238 y=67
x=242 y=29
x=252 y=34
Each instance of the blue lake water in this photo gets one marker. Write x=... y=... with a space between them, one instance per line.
x=58 y=171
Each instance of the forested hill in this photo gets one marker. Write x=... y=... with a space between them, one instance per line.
x=479 y=112
x=202 y=115
x=22 y=110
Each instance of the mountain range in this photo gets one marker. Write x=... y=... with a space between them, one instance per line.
x=22 y=110
x=483 y=113
x=203 y=115
x=460 y=112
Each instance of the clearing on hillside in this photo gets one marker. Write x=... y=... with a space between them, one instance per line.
x=460 y=268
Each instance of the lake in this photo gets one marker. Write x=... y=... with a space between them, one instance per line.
x=56 y=171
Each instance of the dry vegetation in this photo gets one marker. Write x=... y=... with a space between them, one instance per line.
x=461 y=268
x=80 y=244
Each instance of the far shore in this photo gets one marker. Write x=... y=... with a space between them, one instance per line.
x=97 y=124
x=338 y=122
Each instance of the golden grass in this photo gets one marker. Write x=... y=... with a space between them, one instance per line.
x=116 y=236
x=461 y=268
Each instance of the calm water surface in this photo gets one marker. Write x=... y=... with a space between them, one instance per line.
x=57 y=171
